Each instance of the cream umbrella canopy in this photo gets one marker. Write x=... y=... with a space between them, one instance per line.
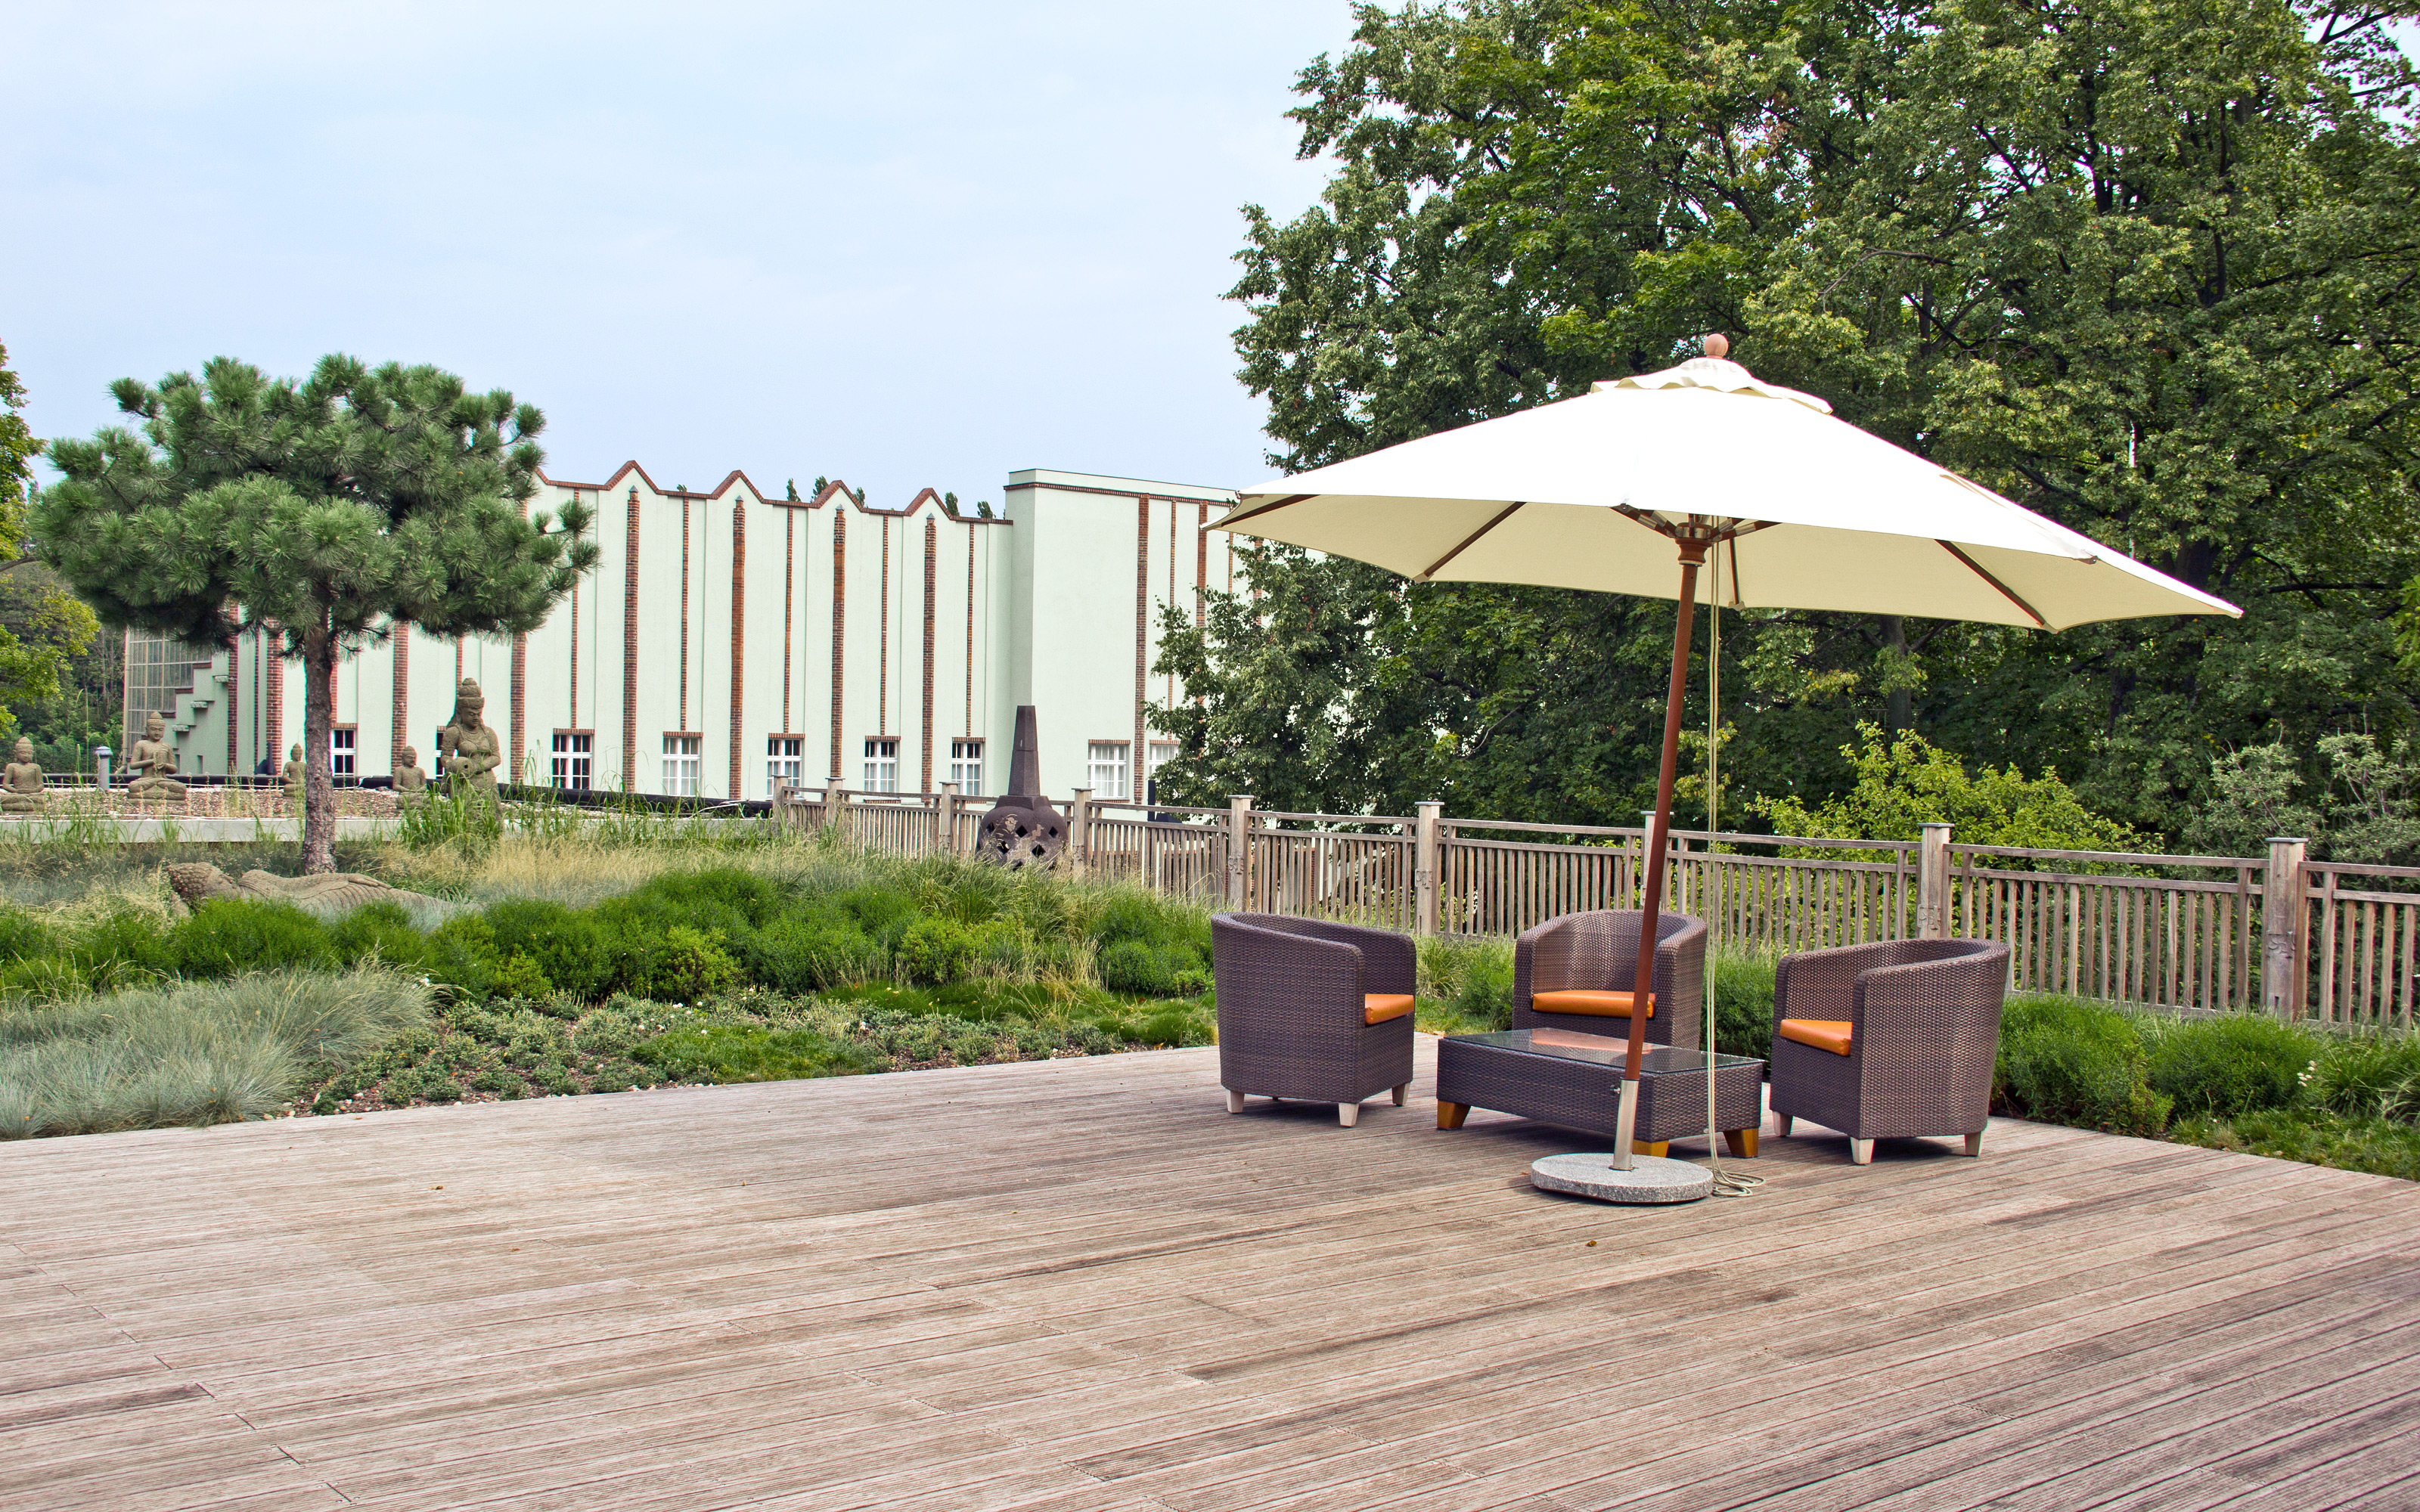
x=1799 y=510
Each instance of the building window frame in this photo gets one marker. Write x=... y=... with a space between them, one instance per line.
x=881 y=764
x=344 y=750
x=966 y=764
x=684 y=762
x=572 y=760
x=1107 y=768
x=785 y=761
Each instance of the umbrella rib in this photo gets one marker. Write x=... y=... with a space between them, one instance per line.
x=1500 y=518
x=2006 y=592
x=1267 y=509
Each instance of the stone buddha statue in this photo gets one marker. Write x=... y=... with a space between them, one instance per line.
x=289 y=776
x=21 y=782
x=409 y=778
x=151 y=766
x=467 y=749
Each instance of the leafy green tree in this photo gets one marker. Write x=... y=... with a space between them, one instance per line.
x=323 y=512
x=2155 y=272
x=1905 y=782
x=2364 y=806
x=41 y=625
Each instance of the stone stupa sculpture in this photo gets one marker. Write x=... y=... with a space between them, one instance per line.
x=1023 y=830
x=151 y=766
x=467 y=749
x=20 y=782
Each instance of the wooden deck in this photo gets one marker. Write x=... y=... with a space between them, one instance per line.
x=1083 y=1284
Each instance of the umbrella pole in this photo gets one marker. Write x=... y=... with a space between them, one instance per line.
x=1652 y=898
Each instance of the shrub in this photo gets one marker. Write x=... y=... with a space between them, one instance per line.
x=1152 y=969
x=811 y=951
x=2228 y=1066
x=382 y=930
x=1471 y=978
x=22 y=937
x=737 y=1053
x=572 y=952
x=2065 y=1060
x=226 y=935
x=884 y=913
x=934 y=950
x=518 y=976
x=2369 y=1075
x=679 y=965
x=462 y=955
x=1742 y=1003
x=123 y=950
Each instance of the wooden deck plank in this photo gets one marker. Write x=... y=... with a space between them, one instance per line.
x=1079 y=1283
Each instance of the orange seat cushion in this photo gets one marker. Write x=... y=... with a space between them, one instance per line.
x=1596 y=1005
x=1822 y=1034
x=1377 y=1008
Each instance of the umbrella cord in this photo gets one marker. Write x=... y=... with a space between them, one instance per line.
x=1727 y=1183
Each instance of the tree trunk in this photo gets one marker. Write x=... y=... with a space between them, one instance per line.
x=318 y=727
x=1898 y=704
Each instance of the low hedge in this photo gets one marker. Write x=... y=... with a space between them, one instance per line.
x=678 y=938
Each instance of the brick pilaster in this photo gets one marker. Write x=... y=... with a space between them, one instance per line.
x=1142 y=640
x=739 y=636
x=840 y=621
x=932 y=564
x=630 y=644
x=399 y=733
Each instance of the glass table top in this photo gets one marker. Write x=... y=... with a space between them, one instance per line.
x=1599 y=1049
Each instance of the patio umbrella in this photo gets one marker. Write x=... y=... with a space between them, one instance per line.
x=1603 y=490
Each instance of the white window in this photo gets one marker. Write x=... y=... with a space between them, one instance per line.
x=340 y=750
x=1162 y=752
x=882 y=766
x=1107 y=768
x=785 y=761
x=966 y=766
x=680 y=765
x=574 y=750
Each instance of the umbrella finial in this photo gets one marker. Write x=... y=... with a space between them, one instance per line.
x=1716 y=344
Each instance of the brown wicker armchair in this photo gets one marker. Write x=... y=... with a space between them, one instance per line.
x=1889 y=1041
x=1311 y=1010
x=1577 y=972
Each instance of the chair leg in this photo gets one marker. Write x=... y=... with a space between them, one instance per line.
x=1742 y=1142
x=1234 y=1100
x=1450 y=1114
x=1348 y=1114
x=1783 y=1120
x=1974 y=1144
x=1400 y=1091
x=1861 y=1152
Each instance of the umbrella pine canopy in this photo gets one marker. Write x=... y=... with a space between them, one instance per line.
x=1702 y=465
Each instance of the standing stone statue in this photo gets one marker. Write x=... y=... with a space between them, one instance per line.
x=289 y=777
x=22 y=792
x=409 y=778
x=467 y=749
x=152 y=764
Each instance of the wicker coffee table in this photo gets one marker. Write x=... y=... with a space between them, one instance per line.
x=1573 y=1081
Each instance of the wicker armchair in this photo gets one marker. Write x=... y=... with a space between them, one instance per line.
x=1589 y=963
x=1311 y=1010
x=1889 y=1041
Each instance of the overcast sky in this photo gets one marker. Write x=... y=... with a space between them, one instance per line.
x=906 y=247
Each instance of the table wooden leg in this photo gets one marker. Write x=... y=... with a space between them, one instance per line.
x=1646 y=1146
x=1742 y=1142
x=1450 y=1114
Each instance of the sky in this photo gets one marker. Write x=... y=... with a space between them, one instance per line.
x=913 y=247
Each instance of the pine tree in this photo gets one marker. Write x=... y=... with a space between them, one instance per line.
x=324 y=512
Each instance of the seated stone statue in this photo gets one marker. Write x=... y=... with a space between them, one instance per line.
x=467 y=749
x=409 y=778
x=150 y=766
x=289 y=777
x=22 y=790
x=330 y=892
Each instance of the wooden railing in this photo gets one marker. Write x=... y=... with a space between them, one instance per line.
x=2336 y=942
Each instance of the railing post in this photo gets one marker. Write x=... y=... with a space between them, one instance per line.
x=2285 y=927
x=1079 y=831
x=1424 y=867
x=945 y=819
x=1932 y=883
x=1239 y=841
